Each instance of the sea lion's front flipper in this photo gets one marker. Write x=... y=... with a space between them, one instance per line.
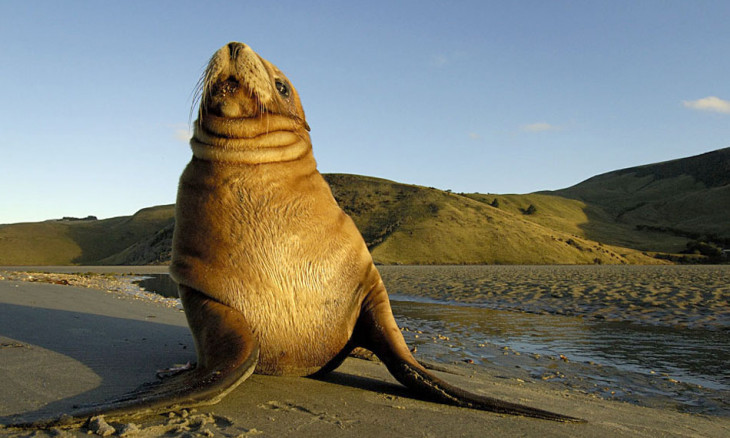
x=227 y=354
x=377 y=331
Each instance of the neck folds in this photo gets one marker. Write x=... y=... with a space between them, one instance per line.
x=265 y=139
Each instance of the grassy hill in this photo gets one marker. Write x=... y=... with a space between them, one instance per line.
x=416 y=225
x=73 y=242
x=611 y=218
x=659 y=207
x=401 y=224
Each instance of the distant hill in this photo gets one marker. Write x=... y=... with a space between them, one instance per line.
x=71 y=241
x=617 y=217
x=658 y=207
x=406 y=224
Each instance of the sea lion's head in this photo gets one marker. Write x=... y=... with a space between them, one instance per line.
x=249 y=110
x=239 y=83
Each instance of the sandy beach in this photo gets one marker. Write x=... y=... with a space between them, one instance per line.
x=63 y=344
x=695 y=296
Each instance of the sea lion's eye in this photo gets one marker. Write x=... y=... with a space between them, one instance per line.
x=282 y=88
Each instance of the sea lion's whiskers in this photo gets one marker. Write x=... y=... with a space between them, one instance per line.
x=197 y=97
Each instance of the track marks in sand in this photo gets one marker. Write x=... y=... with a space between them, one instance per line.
x=314 y=416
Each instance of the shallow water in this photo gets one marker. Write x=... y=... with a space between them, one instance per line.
x=640 y=361
x=653 y=366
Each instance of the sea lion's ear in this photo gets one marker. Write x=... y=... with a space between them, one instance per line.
x=306 y=125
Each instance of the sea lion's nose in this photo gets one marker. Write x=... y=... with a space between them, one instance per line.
x=234 y=47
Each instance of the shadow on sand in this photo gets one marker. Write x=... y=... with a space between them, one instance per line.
x=57 y=359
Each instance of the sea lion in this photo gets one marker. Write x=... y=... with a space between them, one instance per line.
x=274 y=277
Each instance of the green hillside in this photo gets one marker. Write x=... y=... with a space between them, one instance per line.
x=73 y=242
x=416 y=225
x=581 y=219
x=401 y=224
x=659 y=208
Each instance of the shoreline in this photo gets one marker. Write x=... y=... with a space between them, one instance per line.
x=486 y=373
x=77 y=345
x=692 y=296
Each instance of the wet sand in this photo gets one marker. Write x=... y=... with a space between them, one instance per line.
x=64 y=345
x=683 y=296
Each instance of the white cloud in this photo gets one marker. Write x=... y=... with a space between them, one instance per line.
x=539 y=127
x=709 y=103
x=439 y=60
x=182 y=132
x=183 y=135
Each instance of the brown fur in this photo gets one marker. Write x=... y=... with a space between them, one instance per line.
x=264 y=234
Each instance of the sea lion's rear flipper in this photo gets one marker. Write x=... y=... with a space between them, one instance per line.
x=227 y=354
x=377 y=331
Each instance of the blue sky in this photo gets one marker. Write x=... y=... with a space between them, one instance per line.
x=491 y=97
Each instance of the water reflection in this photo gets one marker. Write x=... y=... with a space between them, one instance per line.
x=161 y=284
x=693 y=356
